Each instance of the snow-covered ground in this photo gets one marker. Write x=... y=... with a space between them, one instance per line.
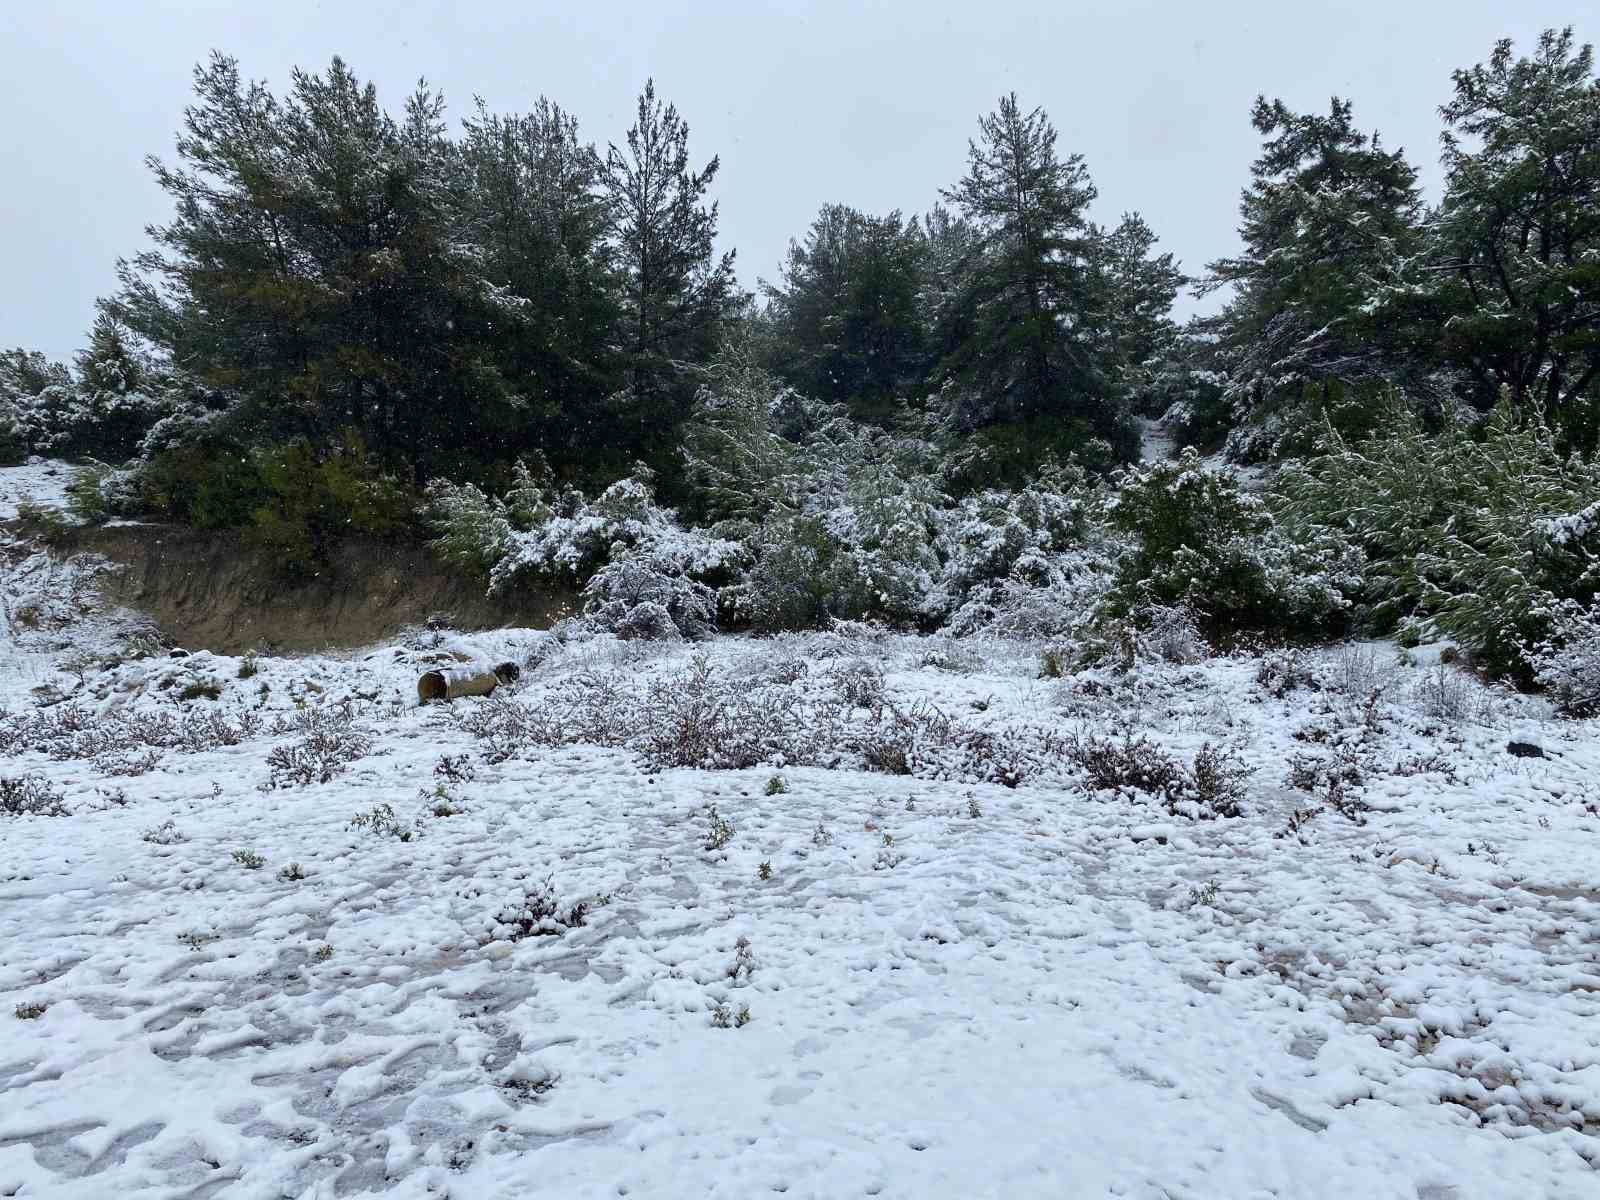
x=1156 y=441
x=844 y=983
x=42 y=480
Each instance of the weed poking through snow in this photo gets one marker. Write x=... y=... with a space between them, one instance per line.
x=538 y=913
x=718 y=832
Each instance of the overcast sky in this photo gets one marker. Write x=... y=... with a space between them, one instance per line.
x=867 y=104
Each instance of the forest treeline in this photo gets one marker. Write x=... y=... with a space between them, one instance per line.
x=358 y=317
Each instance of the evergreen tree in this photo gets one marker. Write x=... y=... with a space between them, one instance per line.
x=676 y=291
x=533 y=208
x=311 y=266
x=1020 y=347
x=121 y=391
x=31 y=385
x=1140 y=288
x=847 y=311
x=1516 y=289
x=950 y=252
x=1330 y=218
x=26 y=373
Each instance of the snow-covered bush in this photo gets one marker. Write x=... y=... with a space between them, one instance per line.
x=888 y=525
x=789 y=586
x=1197 y=540
x=1032 y=563
x=329 y=740
x=648 y=593
x=1212 y=787
x=104 y=408
x=1479 y=534
x=840 y=519
x=644 y=574
x=30 y=796
x=1567 y=662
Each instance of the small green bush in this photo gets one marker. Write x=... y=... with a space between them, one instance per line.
x=1199 y=542
x=313 y=499
x=1478 y=533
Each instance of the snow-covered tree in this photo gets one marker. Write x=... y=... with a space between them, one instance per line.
x=1021 y=344
x=677 y=291
x=1329 y=219
x=1516 y=280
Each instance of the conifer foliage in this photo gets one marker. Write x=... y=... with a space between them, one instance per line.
x=1027 y=351
x=676 y=291
x=1517 y=278
x=1330 y=217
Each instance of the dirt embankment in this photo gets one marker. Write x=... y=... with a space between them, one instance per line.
x=213 y=590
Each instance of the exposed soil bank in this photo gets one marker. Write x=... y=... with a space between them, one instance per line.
x=212 y=590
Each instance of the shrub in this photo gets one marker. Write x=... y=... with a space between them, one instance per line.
x=1567 y=661
x=648 y=593
x=718 y=831
x=1480 y=533
x=329 y=741
x=1198 y=541
x=859 y=683
x=1031 y=563
x=1446 y=694
x=1212 y=787
x=1283 y=672
x=538 y=913
x=1217 y=782
x=382 y=822
x=724 y=1017
x=211 y=482
x=30 y=796
x=645 y=576
x=1133 y=764
x=790 y=584
x=312 y=499
x=295 y=500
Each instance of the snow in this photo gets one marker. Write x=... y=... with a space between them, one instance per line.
x=1156 y=441
x=42 y=480
x=953 y=988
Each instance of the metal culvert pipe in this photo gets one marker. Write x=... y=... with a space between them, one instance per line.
x=451 y=683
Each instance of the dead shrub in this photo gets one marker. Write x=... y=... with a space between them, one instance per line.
x=329 y=741
x=30 y=796
x=1212 y=787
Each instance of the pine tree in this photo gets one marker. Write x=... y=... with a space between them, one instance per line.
x=1020 y=349
x=677 y=292
x=1140 y=288
x=30 y=385
x=1516 y=289
x=533 y=207
x=311 y=268
x=847 y=312
x=1329 y=220
x=121 y=390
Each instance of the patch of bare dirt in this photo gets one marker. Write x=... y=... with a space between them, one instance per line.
x=212 y=590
